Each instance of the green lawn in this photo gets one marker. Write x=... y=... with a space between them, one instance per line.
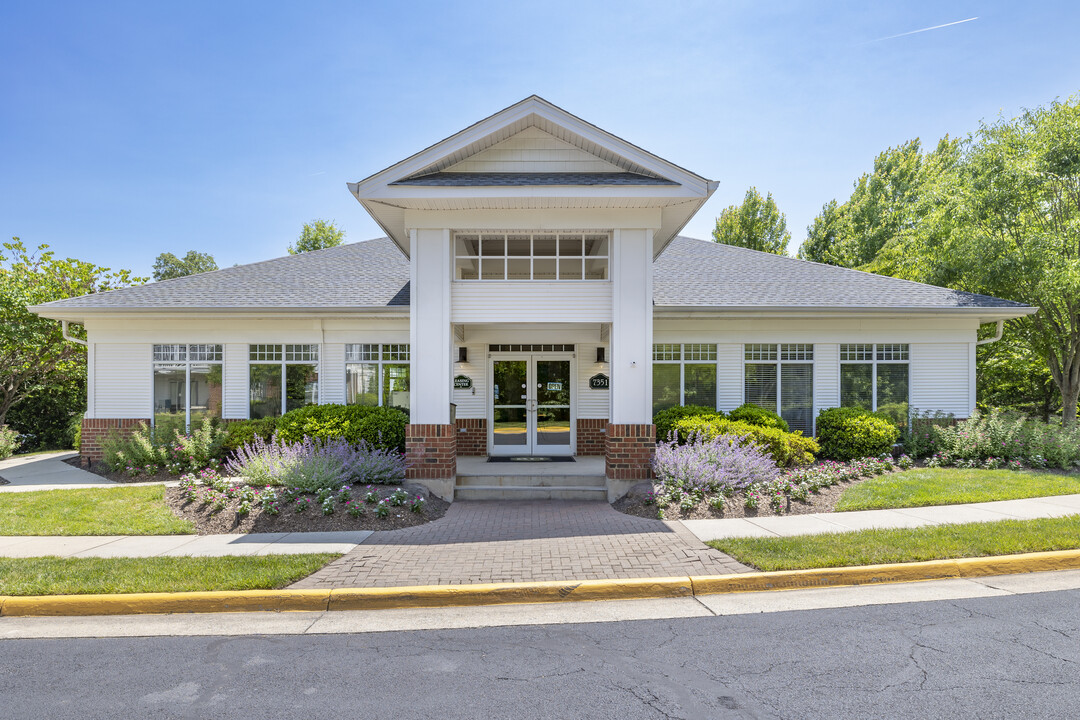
x=873 y=547
x=93 y=511
x=80 y=576
x=949 y=486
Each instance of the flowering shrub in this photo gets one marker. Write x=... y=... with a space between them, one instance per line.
x=1007 y=438
x=775 y=490
x=9 y=442
x=712 y=464
x=148 y=450
x=665 y=420
x=786 y=449
x=314 y=466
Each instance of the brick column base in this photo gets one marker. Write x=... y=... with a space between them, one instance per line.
x=629 y=451
x=95 y=430
x=591 y=436
x=431 y=451
x=472 y=436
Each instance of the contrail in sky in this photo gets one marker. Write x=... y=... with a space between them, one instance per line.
x=925 y=29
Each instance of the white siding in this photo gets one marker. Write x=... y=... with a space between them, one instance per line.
x=533 y=150
x=472 y=403
x=235 y=375
x=528 y=301
x=941 y=378
x=431 y=381
x=632 y=327
x=591 y=403
x=729 y=376
x=123 y=380
x=826 y=376
x=332 y=373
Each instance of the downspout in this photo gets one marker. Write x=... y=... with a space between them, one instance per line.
x=997 y=335
x=64 y=333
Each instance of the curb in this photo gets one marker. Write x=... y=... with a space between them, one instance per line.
x=432 y=596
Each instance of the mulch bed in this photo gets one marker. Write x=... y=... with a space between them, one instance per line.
x=98 y=468
x=288 y=520
x=823 y=501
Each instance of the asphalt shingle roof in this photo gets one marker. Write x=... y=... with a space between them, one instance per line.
x=690 y=273
x=695 y=273
x=366 y=274
x=512 y=179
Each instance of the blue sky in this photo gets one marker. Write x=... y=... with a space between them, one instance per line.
x=129 y=129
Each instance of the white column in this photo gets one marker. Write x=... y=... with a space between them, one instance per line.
x=632 y=327
x=429 y=326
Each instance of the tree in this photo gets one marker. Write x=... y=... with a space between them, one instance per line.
x=883 y=205
x=317 y=235
x=167 y=266
x=1005 y=221
x=756 y=224
x=33 y=352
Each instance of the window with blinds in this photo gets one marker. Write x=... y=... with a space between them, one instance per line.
x=780 y=377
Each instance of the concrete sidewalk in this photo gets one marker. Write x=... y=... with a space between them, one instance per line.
x=48 y=471
x=819 y=523
x=109 y=546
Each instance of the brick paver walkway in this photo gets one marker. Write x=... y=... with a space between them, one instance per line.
x=478 y=542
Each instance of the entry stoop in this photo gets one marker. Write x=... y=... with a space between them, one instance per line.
x=478 y=479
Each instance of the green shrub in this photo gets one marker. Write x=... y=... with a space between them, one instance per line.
x=380 y=427
x=243 y=432
x=150 y=450
x=75 y=431
x=849 y=433
x=9 y=441
x=757 y=415
x=787 y=449
x=665 y=419
x=1011 y=436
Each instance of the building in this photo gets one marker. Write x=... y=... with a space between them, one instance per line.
x=532 y=297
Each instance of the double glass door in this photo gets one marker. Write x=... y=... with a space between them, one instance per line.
x=530 y=405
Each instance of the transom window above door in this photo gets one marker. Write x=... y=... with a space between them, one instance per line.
x=531 y=255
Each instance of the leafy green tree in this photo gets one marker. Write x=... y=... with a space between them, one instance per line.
x=33 y=353
x=1005 y=221
x=756 y=224
x=883 y=205
x=317 y=235
x=167 y=266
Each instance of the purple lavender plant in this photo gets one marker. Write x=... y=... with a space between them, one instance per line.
x=712 y=464
x=311 y=465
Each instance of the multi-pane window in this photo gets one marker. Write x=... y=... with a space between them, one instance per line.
x=531 y=256
x=377 y=374
x=875 y=377
x=187 y=384
x=282 y=378
x=684 y=374
x=780 y=377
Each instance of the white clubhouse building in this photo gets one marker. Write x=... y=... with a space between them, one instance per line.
x=532 y=298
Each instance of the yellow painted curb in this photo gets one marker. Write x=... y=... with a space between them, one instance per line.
x=529 y=592
x=156 y=603
x=890 y=573
x=503 y=593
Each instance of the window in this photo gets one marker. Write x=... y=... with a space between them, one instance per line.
x=684 y=374
x=377 y=375
x=781 y=378
x=531 y=256
x=282 y=378
x=187 y=384
x=875 y=377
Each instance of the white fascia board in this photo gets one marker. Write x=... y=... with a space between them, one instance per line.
x=439 y=192
x=80 y=314
x=530 y=106
x=983 y=314
x=535 y=219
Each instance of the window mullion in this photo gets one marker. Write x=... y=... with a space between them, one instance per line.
x=779 y=386
x=187 y=395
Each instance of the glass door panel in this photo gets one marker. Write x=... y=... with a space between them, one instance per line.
x=510 y=416
x=552 y=405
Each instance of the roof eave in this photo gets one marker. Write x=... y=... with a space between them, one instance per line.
x=78 y=314
x=986 y=314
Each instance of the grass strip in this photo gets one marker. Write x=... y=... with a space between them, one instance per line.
x=92 y=511
x=949 y=486
x=81 y=576
x=875 y=547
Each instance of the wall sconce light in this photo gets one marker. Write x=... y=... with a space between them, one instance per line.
x=463 y=354
x=600 y=354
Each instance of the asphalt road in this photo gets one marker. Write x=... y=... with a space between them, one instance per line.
x=1015 y=656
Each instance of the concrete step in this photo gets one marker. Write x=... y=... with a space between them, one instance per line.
x=533 y=480
x=510 y=492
